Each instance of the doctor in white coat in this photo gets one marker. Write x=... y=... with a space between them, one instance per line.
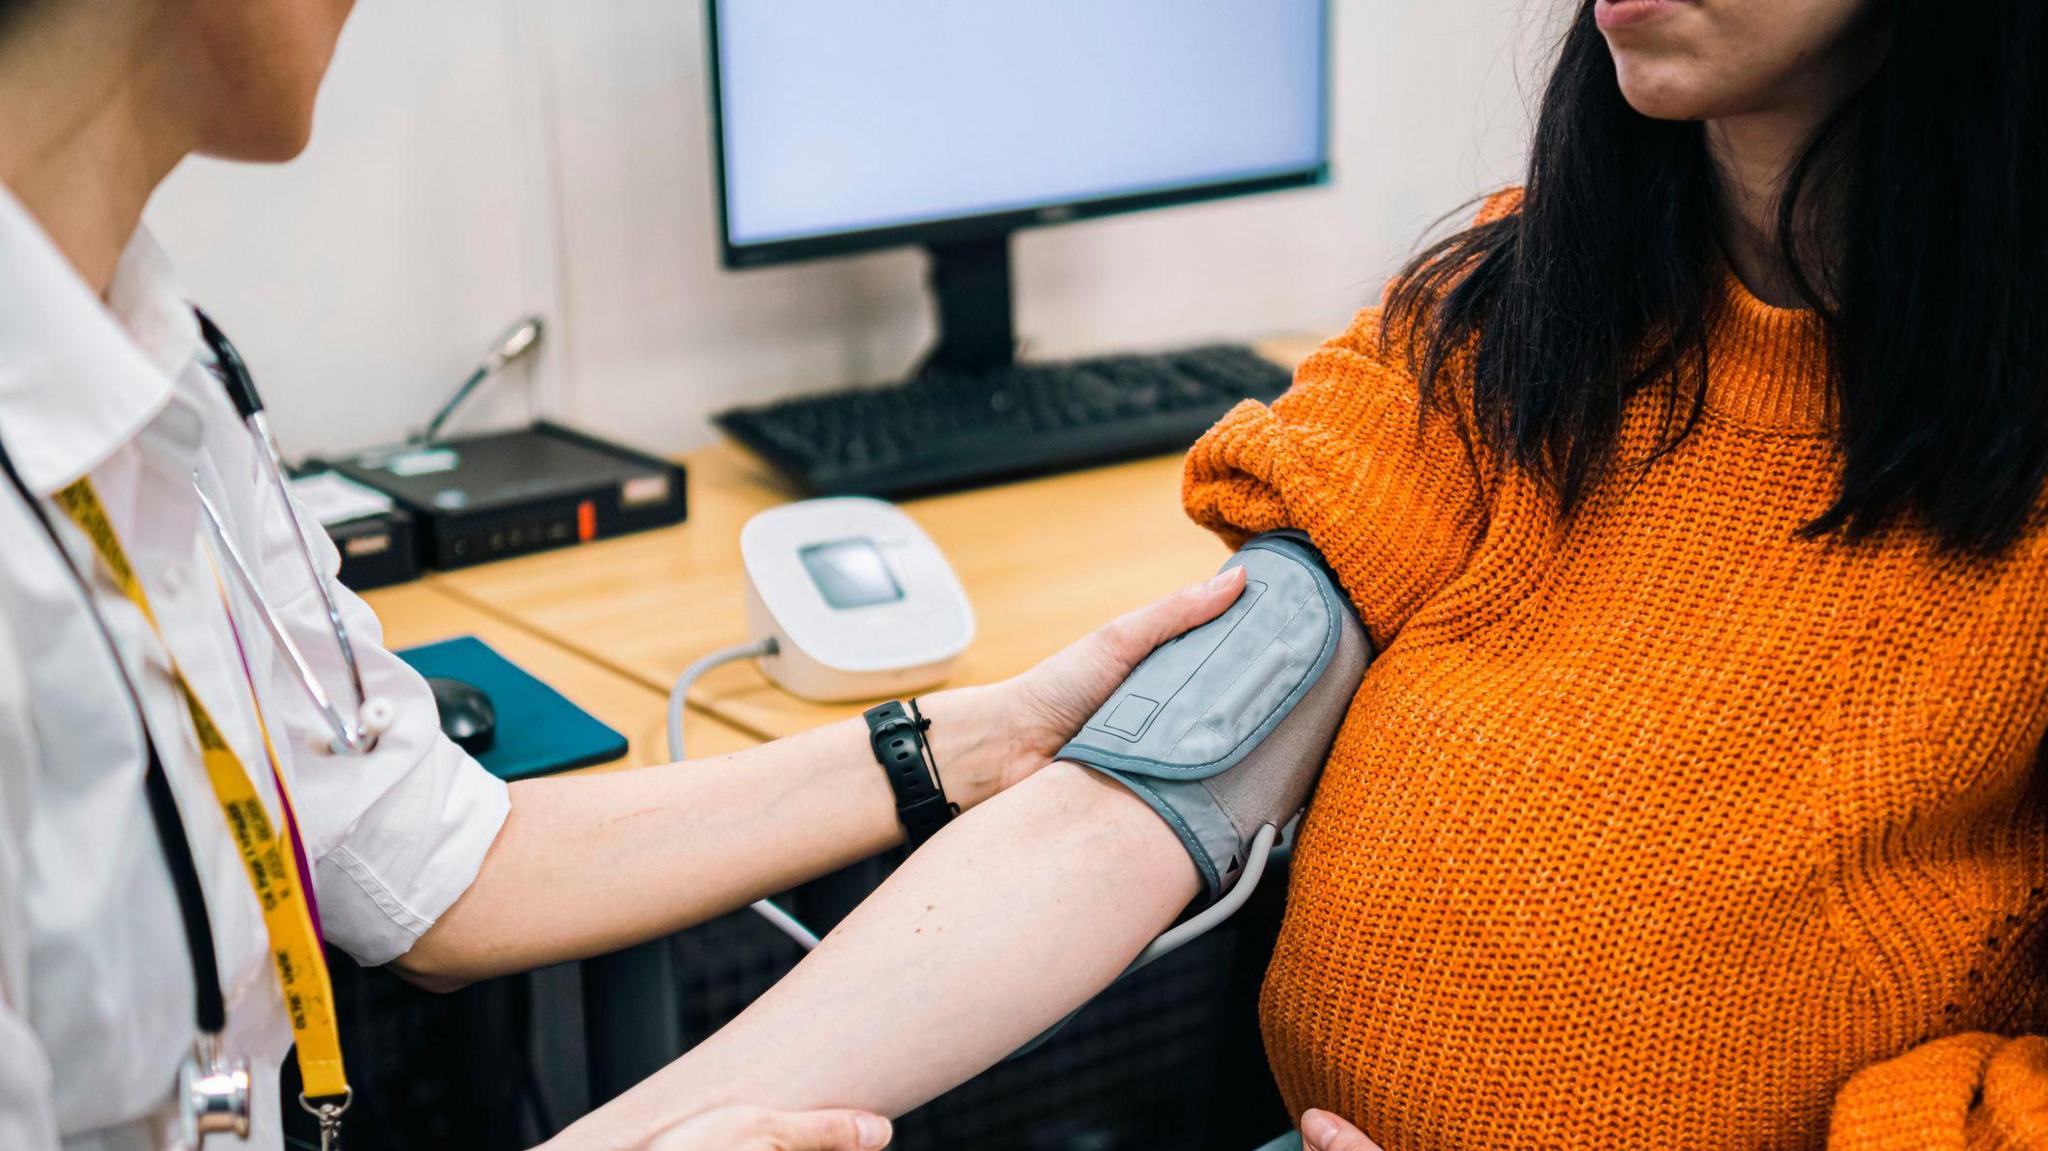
x=119 y=435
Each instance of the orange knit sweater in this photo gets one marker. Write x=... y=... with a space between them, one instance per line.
x=1663 y=827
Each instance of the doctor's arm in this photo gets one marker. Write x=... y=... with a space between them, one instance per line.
x=588 y=864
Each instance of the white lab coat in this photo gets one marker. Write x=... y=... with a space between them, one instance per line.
x=96 y=995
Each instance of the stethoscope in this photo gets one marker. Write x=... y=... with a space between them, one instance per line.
x=355 y=733
x=214 y=1092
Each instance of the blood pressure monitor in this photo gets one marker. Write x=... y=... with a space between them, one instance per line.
x=858 y=600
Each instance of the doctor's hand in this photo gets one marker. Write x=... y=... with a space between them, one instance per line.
x=1322 y=1131
x=988 y=738
x=759 y=1129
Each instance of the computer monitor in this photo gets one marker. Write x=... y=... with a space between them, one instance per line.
x=843 y=127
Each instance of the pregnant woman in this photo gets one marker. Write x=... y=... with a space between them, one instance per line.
x=1693 y=499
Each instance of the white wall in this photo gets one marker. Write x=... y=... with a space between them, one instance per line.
x=479 y=158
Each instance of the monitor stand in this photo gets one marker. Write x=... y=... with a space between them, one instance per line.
x=970 y=282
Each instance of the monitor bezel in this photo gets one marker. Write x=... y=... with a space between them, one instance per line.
x=957 y=229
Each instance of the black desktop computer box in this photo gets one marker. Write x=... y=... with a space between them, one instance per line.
x=504 y=494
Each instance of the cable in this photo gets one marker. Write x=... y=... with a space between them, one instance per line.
x=1213 y=916
x=786 y=923
x=679 y=695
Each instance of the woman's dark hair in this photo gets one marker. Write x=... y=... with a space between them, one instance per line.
x=1923 y=203
x=12 y=10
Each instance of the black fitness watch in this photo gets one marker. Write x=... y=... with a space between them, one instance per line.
x=906 y=758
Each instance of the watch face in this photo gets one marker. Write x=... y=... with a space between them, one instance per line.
x=850 y=573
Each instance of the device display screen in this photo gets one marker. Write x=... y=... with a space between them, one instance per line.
x=850 y=573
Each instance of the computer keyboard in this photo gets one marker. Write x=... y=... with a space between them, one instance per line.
x=945 y=430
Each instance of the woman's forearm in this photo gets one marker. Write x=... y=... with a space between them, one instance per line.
x=1004 y=923
x=591 y=863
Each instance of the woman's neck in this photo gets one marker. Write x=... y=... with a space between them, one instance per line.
x=1752 y=155
x=88 y=125
x=1753 y=152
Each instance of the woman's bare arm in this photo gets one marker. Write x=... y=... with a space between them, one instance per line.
x=1006 y=921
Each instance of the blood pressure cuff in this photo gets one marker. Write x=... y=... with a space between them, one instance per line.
x=1225 y=728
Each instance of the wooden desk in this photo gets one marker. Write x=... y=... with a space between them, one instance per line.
x=1044 y=562
x=419 y=613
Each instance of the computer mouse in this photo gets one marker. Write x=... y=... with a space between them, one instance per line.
x=467 y=716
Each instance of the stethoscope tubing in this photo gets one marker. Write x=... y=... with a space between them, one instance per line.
x=344 y=731
x=355 y=735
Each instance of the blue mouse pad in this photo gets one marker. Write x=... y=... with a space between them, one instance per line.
x=539 y=732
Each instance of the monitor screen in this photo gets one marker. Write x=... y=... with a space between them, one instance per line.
x=865 y=119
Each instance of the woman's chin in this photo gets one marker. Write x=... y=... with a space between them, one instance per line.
x=1662 y=92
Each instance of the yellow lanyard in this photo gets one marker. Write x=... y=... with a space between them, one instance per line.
x=267 y=857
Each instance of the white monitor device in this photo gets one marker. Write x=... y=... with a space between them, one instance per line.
x=848 y=125
x=859 y=601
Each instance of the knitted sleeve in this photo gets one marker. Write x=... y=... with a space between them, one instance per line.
x=1969 y=1092
x=1389 y=491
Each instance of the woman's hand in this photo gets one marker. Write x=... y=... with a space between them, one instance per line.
x=759 y=1129
x=1322 y=1131
x=987 y=738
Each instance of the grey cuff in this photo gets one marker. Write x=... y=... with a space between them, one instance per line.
x=1226 y=728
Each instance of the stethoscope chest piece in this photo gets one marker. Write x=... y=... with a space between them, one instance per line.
x=213 y=1095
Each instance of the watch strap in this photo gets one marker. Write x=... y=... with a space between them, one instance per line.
x=899 y=744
